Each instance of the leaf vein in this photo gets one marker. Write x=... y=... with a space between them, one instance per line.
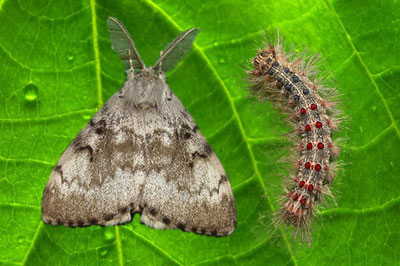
x=47 y=118
x=148 y=241
x=118 y=241
x=26 y=160
x=363 y=65
x=32 y=245
x=19 y=205
x=385 y=206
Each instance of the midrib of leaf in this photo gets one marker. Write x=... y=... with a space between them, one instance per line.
x=363 y=65
x=96 y=53
x=235 y=114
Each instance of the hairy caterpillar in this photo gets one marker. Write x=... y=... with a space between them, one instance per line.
x=291 y=81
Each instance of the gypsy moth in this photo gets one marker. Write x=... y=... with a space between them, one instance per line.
x=292 y=82
x=142 y=152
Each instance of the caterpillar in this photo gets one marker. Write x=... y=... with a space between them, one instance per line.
x=295 y=86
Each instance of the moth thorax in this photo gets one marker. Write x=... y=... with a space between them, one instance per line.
x=144 y=91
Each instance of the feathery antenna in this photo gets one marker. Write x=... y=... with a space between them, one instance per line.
x=122 y=43
x=176 y=50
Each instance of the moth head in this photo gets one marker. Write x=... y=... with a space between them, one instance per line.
x=145 y=90
x=124 y=46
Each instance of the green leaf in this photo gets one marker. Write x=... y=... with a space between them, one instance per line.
x=58 y=68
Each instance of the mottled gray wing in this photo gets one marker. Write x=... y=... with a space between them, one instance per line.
x=97 y=178
x=186 y=186
x=153 y=162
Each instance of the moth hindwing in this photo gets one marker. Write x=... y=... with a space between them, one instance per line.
x=142 y=152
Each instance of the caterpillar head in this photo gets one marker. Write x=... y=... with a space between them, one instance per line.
x=263 y=61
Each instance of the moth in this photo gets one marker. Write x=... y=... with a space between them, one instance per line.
x=142 y=152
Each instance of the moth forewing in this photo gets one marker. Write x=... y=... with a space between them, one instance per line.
x=142 y=152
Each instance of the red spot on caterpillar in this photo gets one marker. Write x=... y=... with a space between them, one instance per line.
x=303 y=111
x=320 y=145
x=309 y=146
x=317 y=167
x=310 y=187
x=303 y=200
x=318 y=124
x=307 y=127
x=313 y=106
x=296 y=197
x=307 y=165
x=301 y=184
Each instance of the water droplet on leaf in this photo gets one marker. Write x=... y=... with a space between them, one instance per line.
x=86 y=117
x=109 y=235
x=70 y=57
x=103 y=251
x=20 y=239
x=221 y=61
x=30 y=92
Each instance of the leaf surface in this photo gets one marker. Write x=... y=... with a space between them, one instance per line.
x=58 y=68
